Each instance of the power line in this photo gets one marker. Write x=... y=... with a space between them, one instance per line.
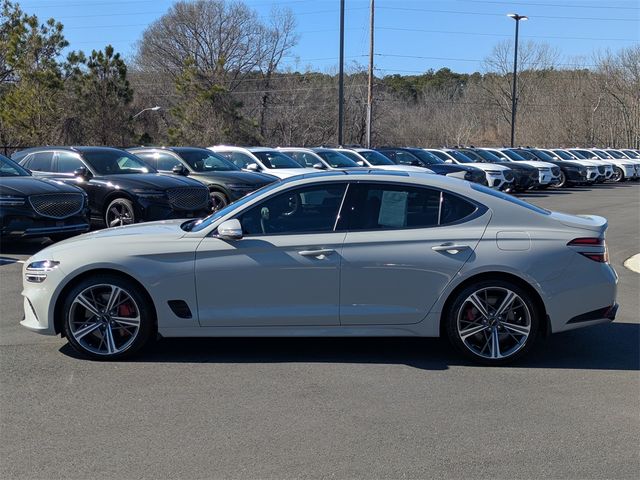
x=604 y=7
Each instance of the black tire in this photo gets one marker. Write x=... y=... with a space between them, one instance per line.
x=562 y=180
x=219 y=200
x=453 y=317
x=72 y=317
x=119 y=209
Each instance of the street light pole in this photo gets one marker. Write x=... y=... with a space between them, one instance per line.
x=514 y=101
x=341 y=76
x=153 y=109
x=370 y=83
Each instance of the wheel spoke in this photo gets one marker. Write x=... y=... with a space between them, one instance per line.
x=129 y=322
x=86 y=304
x=464 y=334
x=86 y=330
x=506 y=302
x=113 y=298
x=475 y=300
x=518 y=329
x=495 y=344
x=115 y=222
x=111 y=344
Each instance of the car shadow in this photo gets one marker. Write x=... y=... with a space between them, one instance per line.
x=613 y=346
x=23 y=246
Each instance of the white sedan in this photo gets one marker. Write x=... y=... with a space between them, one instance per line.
x=332 y=254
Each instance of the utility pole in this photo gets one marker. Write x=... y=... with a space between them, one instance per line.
x=341 y=76
x=370 y=85
x=514 y=101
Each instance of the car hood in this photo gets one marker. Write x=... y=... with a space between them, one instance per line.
x=242 y=178
x=290 y=172
x=25 y=186
x=402 y=168
x=485 y=166
x=150 y=181
x=536 y=164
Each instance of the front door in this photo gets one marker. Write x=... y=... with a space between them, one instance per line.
x=285 y=271
x=396 y=259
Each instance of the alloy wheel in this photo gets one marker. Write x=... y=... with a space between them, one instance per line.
x=493 y=323
x=562 y=179
x=119 y=213
x=104 y=319
x=617 y=176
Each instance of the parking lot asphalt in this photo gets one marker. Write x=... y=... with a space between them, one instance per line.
x=318 y=408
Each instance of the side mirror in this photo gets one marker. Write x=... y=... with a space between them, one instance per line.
x=230 y=230
x=253 y=167
x=416 y=163
x=82 y=172
x=448 y=160
x=360 y=163
x=180 y=170
x=319 y=166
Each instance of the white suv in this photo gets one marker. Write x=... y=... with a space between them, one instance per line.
x=498 y=176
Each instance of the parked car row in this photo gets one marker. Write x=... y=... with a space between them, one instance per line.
x=61 y=191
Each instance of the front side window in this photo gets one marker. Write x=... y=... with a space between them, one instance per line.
x=383 y=207
x=375 y=158
x=40 y=162
x=239 y=159
x=337 y=160
x=206 y=161
x=405 y=158
x=304 y=159
x=166 y=161
x=68 y=162
x=302 y=210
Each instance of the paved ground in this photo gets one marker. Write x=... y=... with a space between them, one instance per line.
x=353 y=408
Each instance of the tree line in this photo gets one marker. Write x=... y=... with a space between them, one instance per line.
x=216 y=69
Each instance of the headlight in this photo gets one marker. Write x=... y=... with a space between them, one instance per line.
x=493 y=172
x=149 y=193
x=36 y=272
x=11 y=200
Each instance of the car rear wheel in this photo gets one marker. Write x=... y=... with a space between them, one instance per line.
x=492 y=322
x=618 y=175
x=218 y=200
x=119 y=212
x=106 y=317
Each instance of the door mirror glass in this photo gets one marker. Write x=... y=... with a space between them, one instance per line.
x=230 y=230
x=319 y=166
x=82 y=172
x=180 y=170
x=253 y=167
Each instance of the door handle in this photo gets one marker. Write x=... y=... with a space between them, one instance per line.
x=450 y=248
x=323 y=252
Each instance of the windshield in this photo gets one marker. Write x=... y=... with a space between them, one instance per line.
x=485 y=156
x=564 y=155
x=427 y=157
x=520 y=155
x=202 y=223
x=541 y=155
x=615 y=154
x=352 y=155
x=375 y=158
x=336 y=160
x=275 y=159
x=206 y=161
x=115 y=162
x=581 y=154
x=601 y=154
x=459 y=156
x=631 y=154
x=8 y=168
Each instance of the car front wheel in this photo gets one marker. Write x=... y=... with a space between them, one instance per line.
x=218 y=200
x=119 y=212
x=106 y=317
x=492 y=322
x=618 y=175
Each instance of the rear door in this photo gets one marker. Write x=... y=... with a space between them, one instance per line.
x=405 y=243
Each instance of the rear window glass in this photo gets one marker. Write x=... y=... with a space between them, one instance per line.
x=509 y=198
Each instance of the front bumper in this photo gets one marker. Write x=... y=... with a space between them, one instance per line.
x=23 y=223
x=150 y=210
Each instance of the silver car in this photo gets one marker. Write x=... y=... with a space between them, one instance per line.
x=332 y=254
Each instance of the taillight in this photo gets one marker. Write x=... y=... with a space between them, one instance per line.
x=601 y=257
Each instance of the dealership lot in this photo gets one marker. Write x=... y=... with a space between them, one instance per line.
x=324 y=407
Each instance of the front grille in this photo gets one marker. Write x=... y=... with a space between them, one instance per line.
x=555 y=171
x=533 y=175
x=188 y=198
x=508 y=176
x=601 y=170
x=57 y=205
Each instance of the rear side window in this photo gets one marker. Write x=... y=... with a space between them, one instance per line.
x=40 y=162
x=384 y=207
x=509 y=198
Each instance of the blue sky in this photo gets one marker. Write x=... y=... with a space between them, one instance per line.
x=412 y=36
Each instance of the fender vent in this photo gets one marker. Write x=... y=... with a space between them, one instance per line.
x=180 y=308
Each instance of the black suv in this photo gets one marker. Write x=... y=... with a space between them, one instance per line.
x=421 y=158
x=226 y=182
x=122 y=188
x=525 y=176
x=39 y=207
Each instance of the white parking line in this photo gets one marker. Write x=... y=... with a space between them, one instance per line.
x=633 y=263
